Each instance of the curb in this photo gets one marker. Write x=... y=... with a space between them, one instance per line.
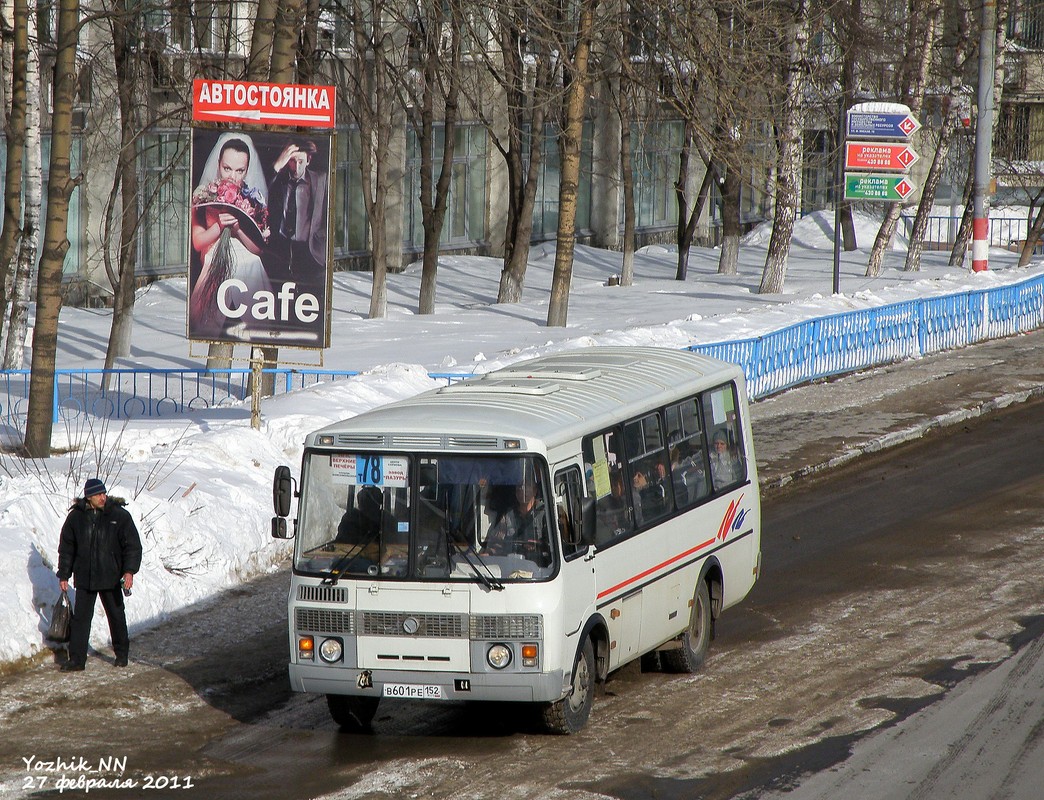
x=909 y=434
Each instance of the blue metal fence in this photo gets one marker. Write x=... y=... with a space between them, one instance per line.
x=805 y=351
x=1007 y=232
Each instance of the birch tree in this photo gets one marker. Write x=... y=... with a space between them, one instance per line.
x=961 y=49
x=60 y=185
x=790 y=135
x=15 y=141
x=920 y=47
x=577 y=79
x=29 y=239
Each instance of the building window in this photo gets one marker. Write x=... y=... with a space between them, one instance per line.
x=817 y=180
x=465 y=216
x=351 y=231
x=74 y=228
x=656 y=150
x=545 y=209
x=1026 y=28
x=1021 y=132
x=164 y=198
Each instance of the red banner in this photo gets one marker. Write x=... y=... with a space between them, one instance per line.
x=263 y=103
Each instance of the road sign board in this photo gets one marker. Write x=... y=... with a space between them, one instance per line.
x=881 y=125
x=896 y=157
x=893 y=188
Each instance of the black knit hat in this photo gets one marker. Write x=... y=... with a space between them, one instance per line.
x=92 y=487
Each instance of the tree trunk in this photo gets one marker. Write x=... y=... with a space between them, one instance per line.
x=60 y=186
x=15 y=141
x=627 y=179
x=946 y=134
x=522 y=171
x=434 y=197
x=728 y=262
x=1032 y=237
x=964 y=230
x=30 y=237
x=118 y=346
x=920 y=45
x=569 y=146
x=791 y=138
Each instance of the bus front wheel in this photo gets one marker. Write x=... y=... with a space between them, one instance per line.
x=570 y=714
x=695 y=642
x=352 y=712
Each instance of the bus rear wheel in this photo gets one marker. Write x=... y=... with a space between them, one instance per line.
x=695 y=642
x=352 y=712
x=569 y=715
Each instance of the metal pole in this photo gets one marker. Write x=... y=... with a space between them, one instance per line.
x=256 y=363
x=984 y=138
x=839 y=194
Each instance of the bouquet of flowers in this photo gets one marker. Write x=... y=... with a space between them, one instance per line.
x=240 y=199
x=249 y=207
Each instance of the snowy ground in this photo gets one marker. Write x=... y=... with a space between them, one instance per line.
x=200 y=487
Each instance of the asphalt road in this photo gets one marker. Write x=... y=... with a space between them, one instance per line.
x=889 y=580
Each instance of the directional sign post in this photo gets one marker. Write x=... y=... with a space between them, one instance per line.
x=895 y=188
x=879 y=156
x=881 y=125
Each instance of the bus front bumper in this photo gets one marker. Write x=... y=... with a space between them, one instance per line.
x=506 y=686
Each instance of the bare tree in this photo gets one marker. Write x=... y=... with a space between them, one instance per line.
x=920 y=46
x=577 y=78
x=124 y=24
x=523 y=70
x=60 y=185
x=371 y=73
x=790 y=134
x=15 y=142
x=28 y=241
x=436 y=34
x=962 y=47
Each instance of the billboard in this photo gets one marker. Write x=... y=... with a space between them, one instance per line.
x=259 y=270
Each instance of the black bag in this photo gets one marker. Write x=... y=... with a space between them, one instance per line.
x=61 y=620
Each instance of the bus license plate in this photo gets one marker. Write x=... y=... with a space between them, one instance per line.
x=413 y=691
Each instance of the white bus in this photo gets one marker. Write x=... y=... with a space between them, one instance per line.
x=520 y=535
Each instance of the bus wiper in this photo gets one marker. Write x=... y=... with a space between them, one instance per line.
x=335 y=571
x=489 y=580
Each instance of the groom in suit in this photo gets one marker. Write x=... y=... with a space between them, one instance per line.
x=297 y=249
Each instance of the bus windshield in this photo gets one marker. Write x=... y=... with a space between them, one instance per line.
x=426 y=517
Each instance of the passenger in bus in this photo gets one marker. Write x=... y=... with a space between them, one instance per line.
x=687 y=475
x=521 y=528
x=360 y=528
x=650 y=494
x=725 y=466
x=612 y=514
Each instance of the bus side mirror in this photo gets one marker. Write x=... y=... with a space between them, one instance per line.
x=282 y=491
x=279 y=530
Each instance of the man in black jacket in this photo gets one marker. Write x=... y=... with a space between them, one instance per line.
x=99 y=545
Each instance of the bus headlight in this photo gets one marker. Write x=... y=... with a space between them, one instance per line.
x=331 y=651
x=498 y=656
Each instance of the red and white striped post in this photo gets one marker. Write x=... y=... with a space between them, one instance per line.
x=981 y=242
x=984 y=139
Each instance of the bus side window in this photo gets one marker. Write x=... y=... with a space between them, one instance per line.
x=728 y=466
x=646 y=455
x=606 y=485
x=569 y=496
x=687 y=453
